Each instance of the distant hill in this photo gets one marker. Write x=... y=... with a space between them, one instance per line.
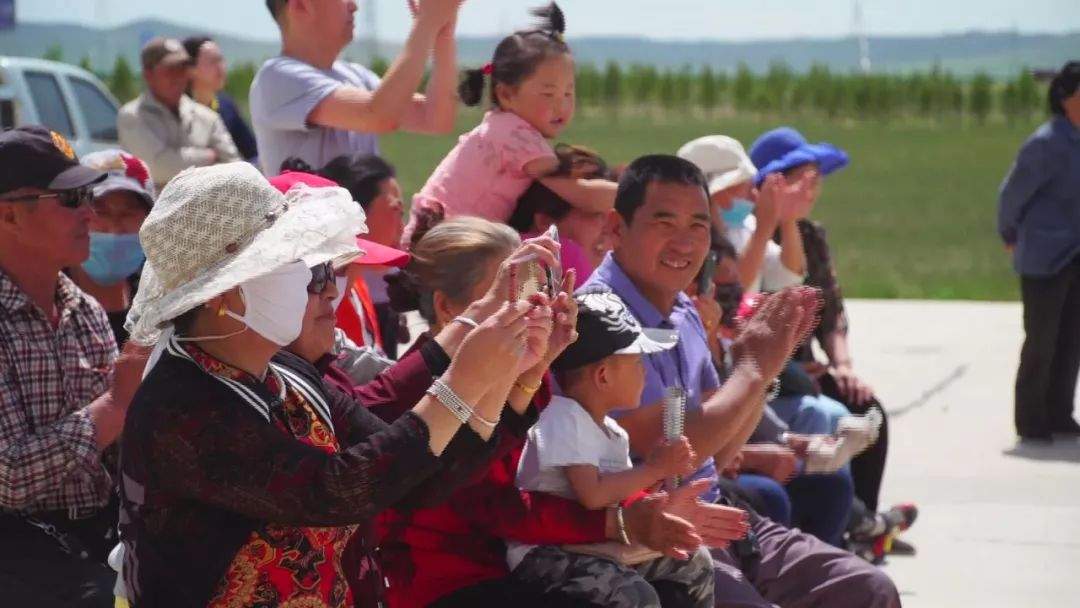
x=998 y=53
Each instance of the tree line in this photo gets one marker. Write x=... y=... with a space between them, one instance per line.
x=935 y=94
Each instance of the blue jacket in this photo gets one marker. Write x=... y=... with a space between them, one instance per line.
x=1039 y=203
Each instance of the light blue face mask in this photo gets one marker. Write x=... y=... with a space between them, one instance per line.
x=740 y=210
x=113 y=257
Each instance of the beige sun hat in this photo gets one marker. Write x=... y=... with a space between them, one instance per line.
x=213 y=228
x=722 y=159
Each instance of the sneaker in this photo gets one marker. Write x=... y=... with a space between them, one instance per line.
x=901 y=517
x=862 y=430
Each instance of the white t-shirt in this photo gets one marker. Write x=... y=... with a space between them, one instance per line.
x=564 y=435
x=774 y=276
x=284 y=93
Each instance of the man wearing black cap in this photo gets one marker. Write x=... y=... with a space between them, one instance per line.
x=165 y=127
x=63 y=392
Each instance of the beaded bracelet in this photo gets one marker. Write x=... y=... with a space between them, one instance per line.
x=450 y=400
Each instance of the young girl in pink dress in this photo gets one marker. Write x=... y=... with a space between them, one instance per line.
x=532 y=94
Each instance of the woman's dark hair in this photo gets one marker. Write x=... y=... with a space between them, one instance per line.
x=295 y=163
x=192 y=44
x=540 y=199
x=1063 y=86
x=360 y=174
x=518 y=56
x=650 y=169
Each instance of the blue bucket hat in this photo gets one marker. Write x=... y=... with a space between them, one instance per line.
x=783 y=148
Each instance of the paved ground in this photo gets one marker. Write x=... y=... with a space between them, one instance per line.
x=999 y=524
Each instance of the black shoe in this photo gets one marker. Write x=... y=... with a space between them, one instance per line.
x=900 y=547
x=1068 y=427
x=1036 y=439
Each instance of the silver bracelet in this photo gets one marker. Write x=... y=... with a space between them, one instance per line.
x=466 y=321
x=490 y=424
x=450 y=400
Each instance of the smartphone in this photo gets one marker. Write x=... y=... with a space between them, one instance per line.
x=527 y=278
x=708 y=270
x=554 y=275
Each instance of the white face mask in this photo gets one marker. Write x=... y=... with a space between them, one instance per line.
x=342 y=283
x=274 y=304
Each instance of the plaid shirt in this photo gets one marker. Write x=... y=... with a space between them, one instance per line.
x=49 y=459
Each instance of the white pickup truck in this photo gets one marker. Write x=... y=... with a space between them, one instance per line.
x=62 y=97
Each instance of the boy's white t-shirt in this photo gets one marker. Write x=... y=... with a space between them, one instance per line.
x=566 y=435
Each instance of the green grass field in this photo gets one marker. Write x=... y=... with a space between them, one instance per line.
x=913 y=216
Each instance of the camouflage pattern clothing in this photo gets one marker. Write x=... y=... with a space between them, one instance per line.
x=603 y=582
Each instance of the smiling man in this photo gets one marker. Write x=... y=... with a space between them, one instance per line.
x=663 y=204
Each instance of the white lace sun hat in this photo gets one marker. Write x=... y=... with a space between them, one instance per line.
x=213 y=228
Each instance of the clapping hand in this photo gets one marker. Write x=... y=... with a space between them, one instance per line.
x=781 y=322
x=673 y=458
x=437 y=12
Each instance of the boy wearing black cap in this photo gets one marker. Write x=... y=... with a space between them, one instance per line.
x=63 y=392
x=575 y=450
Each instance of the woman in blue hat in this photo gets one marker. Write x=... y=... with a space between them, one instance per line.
x=785 y=150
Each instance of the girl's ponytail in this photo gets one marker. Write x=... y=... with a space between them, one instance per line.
x=471 y=88
x=552 y=19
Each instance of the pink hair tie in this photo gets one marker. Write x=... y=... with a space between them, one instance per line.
x=488 y=69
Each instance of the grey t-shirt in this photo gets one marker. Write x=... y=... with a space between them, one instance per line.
x=284 y=93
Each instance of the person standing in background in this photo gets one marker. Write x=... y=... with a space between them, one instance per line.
x=208 y=74
x=1039 y=224
x=163 y=126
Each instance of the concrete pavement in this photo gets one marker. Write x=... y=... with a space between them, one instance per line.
x=999 y=524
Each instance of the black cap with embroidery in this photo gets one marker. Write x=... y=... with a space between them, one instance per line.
x=35 y=157
x=606 y=327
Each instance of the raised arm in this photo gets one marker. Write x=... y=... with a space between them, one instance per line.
x=385 y=109
x=434 y=111
x=728 y=416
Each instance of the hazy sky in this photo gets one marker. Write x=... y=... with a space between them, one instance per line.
x=670 y=19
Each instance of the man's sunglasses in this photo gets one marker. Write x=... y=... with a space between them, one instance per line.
x=69 y=199
x=321 y=276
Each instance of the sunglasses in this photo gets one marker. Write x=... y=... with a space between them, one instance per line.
x=69 y=199
x=321 y=276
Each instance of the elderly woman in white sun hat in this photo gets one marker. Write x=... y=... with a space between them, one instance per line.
x=749 y=216
x=242 y=478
